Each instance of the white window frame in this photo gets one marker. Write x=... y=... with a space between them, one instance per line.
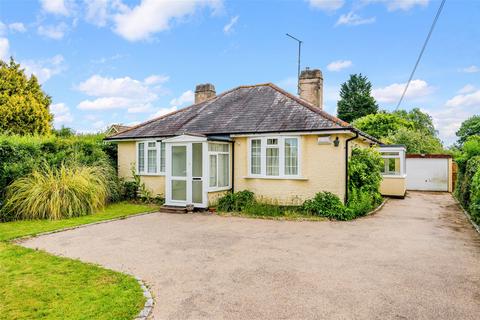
x=158 y=144
x=263 y=157
x=216 y=153
x=400 y=154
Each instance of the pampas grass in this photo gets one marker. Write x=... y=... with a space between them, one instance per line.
x=57 y=193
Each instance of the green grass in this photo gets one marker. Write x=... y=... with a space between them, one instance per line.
x=17 y=229
x=37 y=285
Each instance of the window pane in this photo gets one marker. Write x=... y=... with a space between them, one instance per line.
x=255 y=160
x=197 y=191
x=213 y=170
x=272 y=162
x=179 y=190
x=272 y=141
x=391 y=166
x=162 y=157
x=151 y=144
x=218 y=147
x=223 y=172
x=291 y=156
x=152 y=161
x=179 y=161
x=141 y=157
x=197 y=159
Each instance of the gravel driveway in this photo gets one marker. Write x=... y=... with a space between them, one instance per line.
x=417 y=258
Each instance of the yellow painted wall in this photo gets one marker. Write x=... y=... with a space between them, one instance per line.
x=393 y=187
x=322 y=169
x=127 y=157
x=214 y=196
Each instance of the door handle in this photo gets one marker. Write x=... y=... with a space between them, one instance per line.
x=197 y=179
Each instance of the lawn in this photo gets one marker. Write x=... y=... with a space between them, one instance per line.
x=37 y=285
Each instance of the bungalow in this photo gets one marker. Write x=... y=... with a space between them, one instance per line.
x=257 y=137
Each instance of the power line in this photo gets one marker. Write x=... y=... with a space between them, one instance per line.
x=421 y=52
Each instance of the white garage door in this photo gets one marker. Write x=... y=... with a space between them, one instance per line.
x=427 y=174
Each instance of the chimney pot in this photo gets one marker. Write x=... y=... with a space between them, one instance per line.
x=204 y=92
x=311 y=87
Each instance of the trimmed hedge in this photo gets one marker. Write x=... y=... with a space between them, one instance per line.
x=21 y=155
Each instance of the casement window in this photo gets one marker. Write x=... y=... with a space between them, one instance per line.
x=393 y=163
x=150 y=158
x=274 y=157
x=219 y=165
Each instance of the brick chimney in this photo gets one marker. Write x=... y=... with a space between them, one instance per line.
x=204 y=92
x=311 y=87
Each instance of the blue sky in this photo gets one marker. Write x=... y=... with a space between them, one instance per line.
x=114 y=61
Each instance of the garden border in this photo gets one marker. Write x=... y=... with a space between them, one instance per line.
x=148 y=307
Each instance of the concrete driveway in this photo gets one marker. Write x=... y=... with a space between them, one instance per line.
x=417 y=258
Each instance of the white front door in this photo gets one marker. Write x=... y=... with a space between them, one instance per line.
x=185 y=179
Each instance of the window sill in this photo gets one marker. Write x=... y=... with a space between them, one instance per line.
x=217 y=189
x=276 y=178
x=151 y=174
x=390 y=176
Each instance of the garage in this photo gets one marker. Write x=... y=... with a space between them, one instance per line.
x=429 y=172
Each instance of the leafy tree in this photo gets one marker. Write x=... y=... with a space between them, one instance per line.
x=416 y=141
x=421 y=121
x=382 y=124
x=469 y=127
x=24 y=107
x=64 y=132
x=356 y=100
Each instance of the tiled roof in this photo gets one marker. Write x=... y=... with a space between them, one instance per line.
x=259 y=108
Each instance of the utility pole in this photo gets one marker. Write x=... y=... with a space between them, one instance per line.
x=299 y=55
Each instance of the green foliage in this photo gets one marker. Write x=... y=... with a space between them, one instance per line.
x=382 y=124
x=356 y=99
x=63 y=132
x=470 y=127
x=416 y=141
x=464 y=181
x=364 y=170
x=24 y=107
x=20 y=155
x=53 y=193
x=325 y=204
x=414 y=129
x=475 y=198
x=235 y=201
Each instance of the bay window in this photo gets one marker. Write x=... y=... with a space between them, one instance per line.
x=274 y=157
x=219 y=158
x=150 y=158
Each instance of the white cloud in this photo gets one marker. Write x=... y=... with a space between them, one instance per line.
x=392 y=93
x=465 y=100
x=4 y=49
x=155 y=79
x=449 y=118
x=133 y=95
x=353 y=19
x=55 y=6
x=152 y=16
x=162 y=112
x=467 y=89
x=326 y=5
x=404 y=5
x=339 y=65
x=61 y=114
x=44 y=69
x=54 y=32
x=17 y=26
x=228 y=28
x=100 y=124
x=97 y=12
x=471 y=69
x=185 y=98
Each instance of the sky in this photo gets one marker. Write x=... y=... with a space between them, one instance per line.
x=118 y=61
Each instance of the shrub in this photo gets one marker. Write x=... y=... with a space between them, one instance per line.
x=360 y=203
x=21 y=155
x=235 y=201
x=56 y=193
x=475 y=198
x=464 y=180
x=364 y=170
x=325 y=204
